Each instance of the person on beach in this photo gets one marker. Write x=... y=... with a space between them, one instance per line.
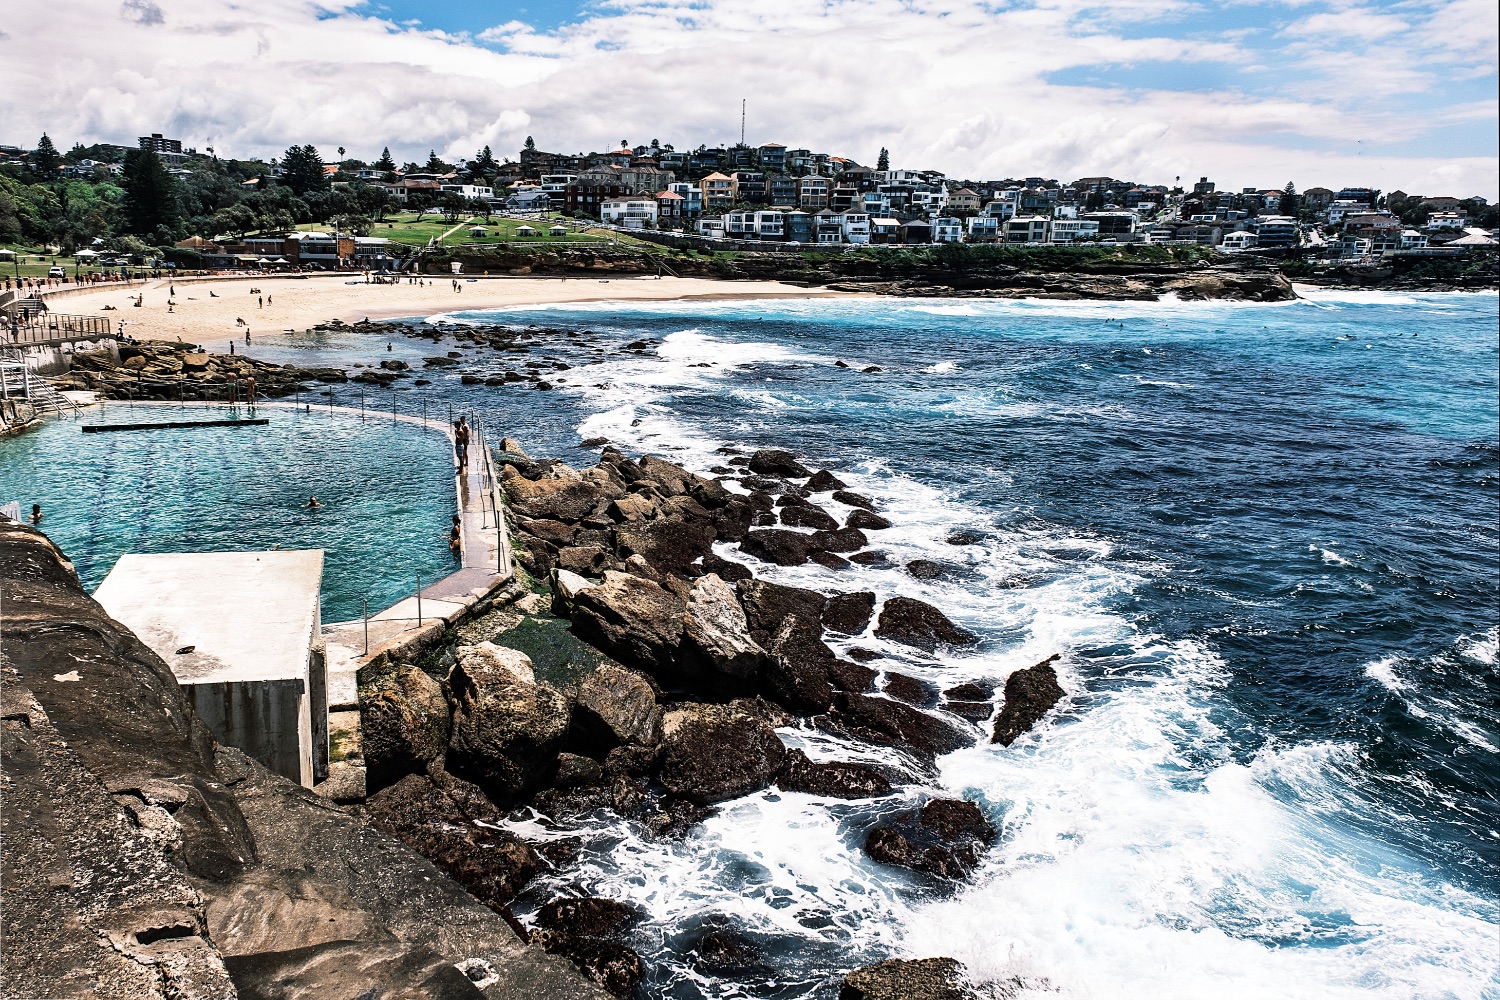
x=247 y=334
x=268 y=300
x=260 y=302
x=231 y=347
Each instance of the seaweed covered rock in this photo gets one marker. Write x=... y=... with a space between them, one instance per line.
x=907 y=979
x=834 y=779
x=404 y=723
x=506 y=731
x=711 y=753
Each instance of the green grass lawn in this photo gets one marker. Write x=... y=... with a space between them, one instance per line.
x=406 y=227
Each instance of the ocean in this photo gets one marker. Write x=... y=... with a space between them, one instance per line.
x=1263 y=539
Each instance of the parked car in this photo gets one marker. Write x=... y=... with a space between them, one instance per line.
x=57 y=271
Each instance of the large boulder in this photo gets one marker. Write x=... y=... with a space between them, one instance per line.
x=907 y=979
x=881 y=720
x=808 y=516
x=717 y=635
x=861 y=518
x=917 y=623
x=506 y=731
x=778 y=545
x=404 y=725
x=832 y=779
x=711 y=753
x=1029 y=695
x=822 y=481
x=669 y=544
x=945 y=837
x=631 y=619
x=767 y=605
x=587 y=916
x=615 y=707
x=797 y=678
x=838 y=540
x=775 y=462
x=568 y=498
x=565 y=587
x=849 y=613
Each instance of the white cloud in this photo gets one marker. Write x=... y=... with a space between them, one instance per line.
x=951 y=84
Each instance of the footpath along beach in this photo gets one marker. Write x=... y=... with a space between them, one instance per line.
x=298 y=303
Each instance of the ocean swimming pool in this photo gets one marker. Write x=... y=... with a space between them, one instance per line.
x=386 y=489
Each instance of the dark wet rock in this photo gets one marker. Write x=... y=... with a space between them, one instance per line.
x=676 y=817
x=493 y=865
x=669 y=544
x=768 y=605
x=628 y=797
x=588 y=916
x=861 y=518
x=614 y=966
x=964 y=538
x=848 y=676
x=717 y=635
x=870 y=559
x=808 y=516
x=910 y=690
x=761 y=500
x=506 y=731
x=970 y=691
x=924 y=569
x=904 y=979
x=764 y=484
x=974 y=711
x=849 y=613
x=711 y=753
x=774 y=462
x=854 y=499
x=829 y=560
x=1029 y=695
x=404 y=723
x=631 y=619
x=881 y=720
x=730 y=572
x=838 y=540
x=797 y=677
x=724 y=951
x=833 y=779
x=631 y=761
x=777 y=545
x=863 y=655
x=916 y=623
x=574 y=771
x=732 y=520
x=615 y=707
x=593 y=442
x=945 y=837
x=822 y=481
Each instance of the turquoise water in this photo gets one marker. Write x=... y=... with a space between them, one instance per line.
x=387 y=490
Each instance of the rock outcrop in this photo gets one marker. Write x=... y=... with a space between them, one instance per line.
x=945 y=837
x=1029 y=695
x=711 y=753
x=907 y=979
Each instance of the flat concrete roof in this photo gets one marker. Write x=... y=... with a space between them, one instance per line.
x=249 y=616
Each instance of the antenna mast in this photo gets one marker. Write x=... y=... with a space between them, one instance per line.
x=742 y=121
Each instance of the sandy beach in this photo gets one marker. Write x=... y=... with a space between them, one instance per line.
x=299 y=303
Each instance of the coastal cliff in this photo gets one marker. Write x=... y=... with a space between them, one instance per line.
x=142 y=860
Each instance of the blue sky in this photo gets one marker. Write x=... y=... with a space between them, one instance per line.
x=1379 y=93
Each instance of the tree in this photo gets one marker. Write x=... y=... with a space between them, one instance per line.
x=434 y=164
x=883 y=161
x=45 y=160
x=530 y=143
x=1287 y=205
x=341 y=154
x=484 y=162
x=150 y=193
x=385 y=162
x=302 y=169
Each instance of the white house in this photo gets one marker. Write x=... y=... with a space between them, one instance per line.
x=1242 y=240
x=470 y=190
x=637 y=212
x=692 y=198
x=946 y=229
x=1028 y=229
x=856 y=226
x=1438 y=221
x=1073 y=230
x=983 y=228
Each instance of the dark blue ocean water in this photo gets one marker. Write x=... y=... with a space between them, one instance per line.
x=1264 y=540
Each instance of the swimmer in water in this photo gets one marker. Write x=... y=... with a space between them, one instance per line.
x=313 y=502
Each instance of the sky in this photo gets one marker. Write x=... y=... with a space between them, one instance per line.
x=1250 y=93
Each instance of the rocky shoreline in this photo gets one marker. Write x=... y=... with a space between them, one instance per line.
x=644 y=679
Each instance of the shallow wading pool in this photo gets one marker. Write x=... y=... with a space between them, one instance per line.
x=386 y=489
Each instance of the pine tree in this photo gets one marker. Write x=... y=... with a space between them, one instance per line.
x=45 y=160
x=530 y=143
x=1287 y=205
x=484 y=161
x=883 y=161
x=150 y=193
x=434 y=164
x=302 y=169
x=385 y=162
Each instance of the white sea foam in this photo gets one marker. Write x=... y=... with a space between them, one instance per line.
x=1329 y=556
x=941 y=368
x=1481 y=648
x=1383 y=672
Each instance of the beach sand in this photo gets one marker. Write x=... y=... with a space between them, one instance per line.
x=300 y=303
